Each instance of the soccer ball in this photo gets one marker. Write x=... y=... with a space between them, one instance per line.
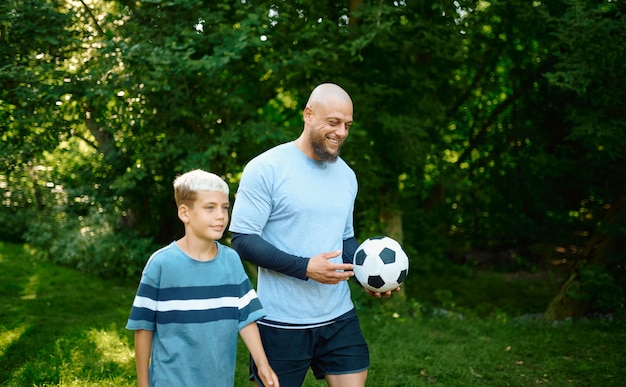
x=380 y=264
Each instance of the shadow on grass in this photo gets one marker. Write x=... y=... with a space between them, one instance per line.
x=57 y=324
x=59 y=327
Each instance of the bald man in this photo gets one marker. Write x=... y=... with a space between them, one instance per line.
x=293 y=217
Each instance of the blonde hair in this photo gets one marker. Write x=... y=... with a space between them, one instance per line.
x=187 y=185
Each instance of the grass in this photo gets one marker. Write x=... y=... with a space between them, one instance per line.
x=59 y=327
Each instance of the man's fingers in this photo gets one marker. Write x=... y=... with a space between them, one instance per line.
x=342 y=266
x=331 y=254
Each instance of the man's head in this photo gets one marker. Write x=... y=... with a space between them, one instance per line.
x=327 y=120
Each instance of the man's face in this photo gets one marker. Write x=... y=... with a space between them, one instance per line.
x=329 y=127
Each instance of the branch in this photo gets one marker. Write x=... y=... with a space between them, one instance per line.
x=93 y=17
x=85 y=139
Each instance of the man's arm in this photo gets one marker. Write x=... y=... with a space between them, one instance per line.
x=253 y=248
x=350 y=246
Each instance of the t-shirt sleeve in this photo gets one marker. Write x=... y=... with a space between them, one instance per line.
x=250 y=307
x=253 y=202
x=143 y=311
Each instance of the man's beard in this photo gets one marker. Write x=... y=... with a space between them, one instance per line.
x=319 y=148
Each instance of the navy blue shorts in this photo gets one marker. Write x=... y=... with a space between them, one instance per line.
x=335 y=348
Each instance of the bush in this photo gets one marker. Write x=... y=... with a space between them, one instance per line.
x=92 y=243
x=601 y=290
x=13 y=224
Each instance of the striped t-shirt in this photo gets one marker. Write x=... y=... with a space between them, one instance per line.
x=196 y=310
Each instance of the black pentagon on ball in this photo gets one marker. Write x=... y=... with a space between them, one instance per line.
x=360 y=258
x=402 y=276
x=375 y=281
x=387 y=256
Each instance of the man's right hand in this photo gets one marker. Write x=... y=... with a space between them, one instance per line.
x=320 y=269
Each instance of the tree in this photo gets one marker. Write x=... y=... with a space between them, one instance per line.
x=591 y=40
x=479 y=125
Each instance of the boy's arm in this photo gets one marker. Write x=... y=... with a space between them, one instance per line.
x=143 y=348
x=252 y=339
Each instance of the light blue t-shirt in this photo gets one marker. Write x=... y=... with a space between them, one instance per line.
x=302 y=207
x=196 y=310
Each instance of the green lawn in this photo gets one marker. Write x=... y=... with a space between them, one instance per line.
x=59 y=327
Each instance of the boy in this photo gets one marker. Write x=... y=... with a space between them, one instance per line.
x=194 y=297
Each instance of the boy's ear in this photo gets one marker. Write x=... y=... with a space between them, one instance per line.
x=183 y=213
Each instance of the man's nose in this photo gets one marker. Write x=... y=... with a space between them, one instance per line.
x=342 y=130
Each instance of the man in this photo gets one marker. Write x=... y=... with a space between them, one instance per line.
x=293 y=217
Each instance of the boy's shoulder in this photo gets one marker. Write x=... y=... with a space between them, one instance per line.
x=164 y=253
x=225 y=249
x=171 y=254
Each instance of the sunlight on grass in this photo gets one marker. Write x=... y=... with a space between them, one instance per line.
x=10 y=336
x=111 y=347
x=72 y=334
x=30 y=290
x=96 y=357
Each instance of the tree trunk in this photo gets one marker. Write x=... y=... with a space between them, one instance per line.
x=354 y=5
x=392 y=223
x=571 y=300
x=563 y=305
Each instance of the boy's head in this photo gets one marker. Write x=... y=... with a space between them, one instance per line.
x=187 y=186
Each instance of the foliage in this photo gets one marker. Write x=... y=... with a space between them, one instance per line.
x=64 y=328
x=14 y=218
x=599 y=287
x=90 y=243
x=479 y=125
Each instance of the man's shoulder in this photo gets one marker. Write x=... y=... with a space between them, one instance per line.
x=345 y=167
x=272 y=152
x=341 y=162
x=272 y=157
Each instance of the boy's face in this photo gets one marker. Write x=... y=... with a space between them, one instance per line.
x=209 y=216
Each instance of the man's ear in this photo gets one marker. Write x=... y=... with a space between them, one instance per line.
x=307 y=114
